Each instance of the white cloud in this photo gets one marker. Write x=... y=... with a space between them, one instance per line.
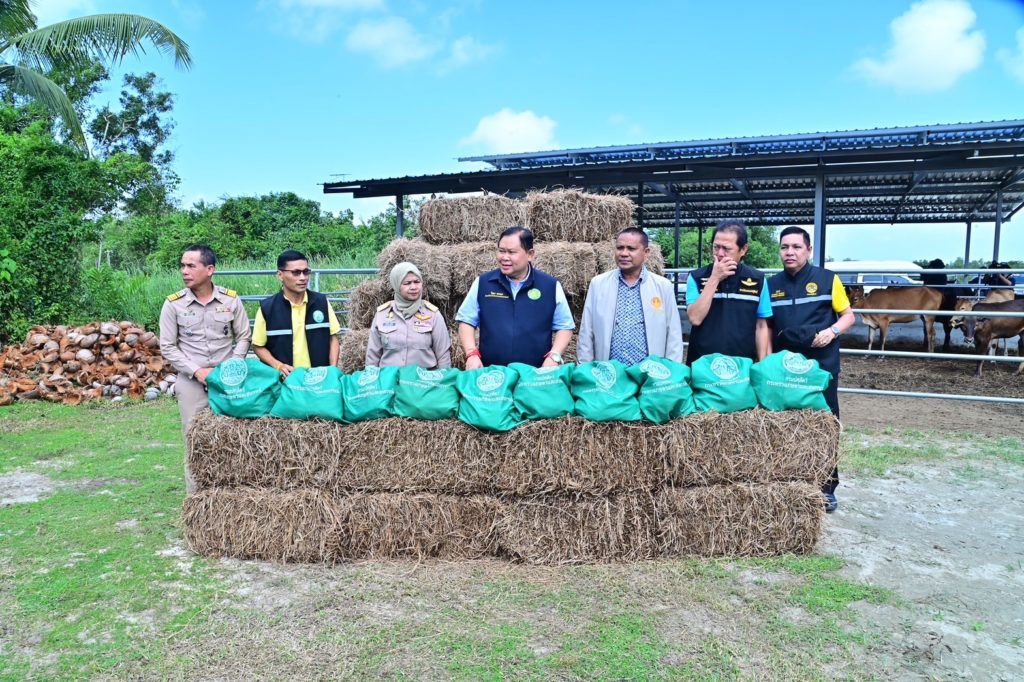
x=315 y=21
x=464 y=51
x=392 y=42
x=1013 y=60
x=51 y=11
x=932 y=47
x=508 y=131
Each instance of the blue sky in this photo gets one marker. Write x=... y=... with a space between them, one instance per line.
x=287 y=94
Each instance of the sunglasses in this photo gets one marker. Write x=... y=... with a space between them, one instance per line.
x=298 y=273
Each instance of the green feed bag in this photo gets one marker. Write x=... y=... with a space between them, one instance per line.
x=722 y=383
x=665 y=391
x=426 y=393
x=310 y=392
x=485 y=398
x=604 y=392
x=245 y=389
x=369 y=394
x=789 y=381
x=542 y=392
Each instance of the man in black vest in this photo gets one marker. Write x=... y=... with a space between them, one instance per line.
x=296 y=327
x=810 y=310
x=516 y=308
x=727 y=302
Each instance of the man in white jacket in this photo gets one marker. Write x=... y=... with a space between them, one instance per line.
x=630 y=312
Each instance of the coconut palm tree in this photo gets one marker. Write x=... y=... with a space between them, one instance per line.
x=101 y=37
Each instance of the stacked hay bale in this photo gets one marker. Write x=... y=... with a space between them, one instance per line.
x=574 y=233
x=558 y=491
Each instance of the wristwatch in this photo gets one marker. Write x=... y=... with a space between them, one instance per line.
x=557 y=357
x=835 y=330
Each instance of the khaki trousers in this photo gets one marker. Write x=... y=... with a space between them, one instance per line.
x=191 y=398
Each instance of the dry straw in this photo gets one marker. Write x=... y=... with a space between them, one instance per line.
x=572 y=264
x=573 y=454
x=743 y=519
x=352 y=354
x=469 y=219
x=385 y=526
x=469 y=261
x=754 y=445
x=434 y=263
x=252 y=523
x=575 y=216
x=363 y=302
x=605 y=254
x=559 y=530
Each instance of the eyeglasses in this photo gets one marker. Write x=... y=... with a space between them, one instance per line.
x=298 y=273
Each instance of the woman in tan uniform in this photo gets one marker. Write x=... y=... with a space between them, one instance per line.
x=408 y=330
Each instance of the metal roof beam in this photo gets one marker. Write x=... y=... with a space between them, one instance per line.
x=1011 y=179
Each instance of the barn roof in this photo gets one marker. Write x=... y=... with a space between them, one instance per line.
x=927 y=174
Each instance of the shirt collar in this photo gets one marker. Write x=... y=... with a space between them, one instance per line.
x=524 y=280
x=641 y=278
x=305 y=299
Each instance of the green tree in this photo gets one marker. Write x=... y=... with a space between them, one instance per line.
x=763 y=251
x=31 y=53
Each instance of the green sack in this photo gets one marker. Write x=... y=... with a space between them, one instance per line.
x=605 y=392
x=486 y=398
x=310 y=392
x=246 y=389
x=542 y=392
x=426 y=393
x=369 y=394
x=789 y=381
x=664 y=389
x=722 y=383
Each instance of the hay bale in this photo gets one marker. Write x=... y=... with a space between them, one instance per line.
x=384 y=455
x=753 y=446
x=469 y=261
x=572 y=454
x=561 y=530
x=572 y=264
x=469 y=219
x=604 y=252
x=253 y=523
x=434 y=263
x=363 y=302
x=352 y=354
x=387 y=526
x=575 y=216
x=740 y=520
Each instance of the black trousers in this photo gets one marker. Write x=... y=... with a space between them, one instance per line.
x=832 y=399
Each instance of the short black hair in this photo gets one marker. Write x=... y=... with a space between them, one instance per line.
x=793 y=229
x=635 y=231
x=206 y=254
x=525 y=236
x=737 y=227
x=288 y=256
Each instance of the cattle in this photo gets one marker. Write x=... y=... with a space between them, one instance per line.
x=897 y=298
x=983 y=330
x=993 y=296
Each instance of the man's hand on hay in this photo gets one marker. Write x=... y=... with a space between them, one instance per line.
x=202 y=373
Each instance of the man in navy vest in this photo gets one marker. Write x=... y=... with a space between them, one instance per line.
x=296 y=327
x=727 y=301
x=809 y=312
x=516 y=308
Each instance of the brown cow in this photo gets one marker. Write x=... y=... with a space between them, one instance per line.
x=993 y=296
x=896 y=298
x=983 y=330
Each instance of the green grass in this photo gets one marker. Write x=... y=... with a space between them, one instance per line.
x=94 y=582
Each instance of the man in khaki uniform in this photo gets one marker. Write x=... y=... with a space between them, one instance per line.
x=200 y=326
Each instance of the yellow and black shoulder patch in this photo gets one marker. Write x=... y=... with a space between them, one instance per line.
x=779 y=294
x=383 y=306
x=228 y=292
x=430 y=306
x=176 y=295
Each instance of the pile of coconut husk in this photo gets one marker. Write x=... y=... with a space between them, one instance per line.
x=71 y=364
x=557 y=491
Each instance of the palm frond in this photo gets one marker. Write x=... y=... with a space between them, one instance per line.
x=30 y=83
x=15 y=18
x=105 y=37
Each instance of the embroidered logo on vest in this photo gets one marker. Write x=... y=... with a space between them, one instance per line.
x=812 y=288
x=318 y=316
x=533 y=294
